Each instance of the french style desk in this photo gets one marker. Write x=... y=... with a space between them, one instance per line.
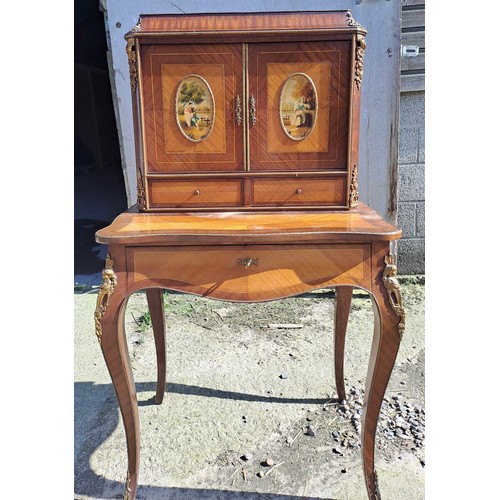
x=250 y=257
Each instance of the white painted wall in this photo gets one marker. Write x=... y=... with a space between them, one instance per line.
x=380 y=88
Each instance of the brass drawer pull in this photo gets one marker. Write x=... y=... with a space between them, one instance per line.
x=298 y=191
x=196 y=192
x=253 y=112
x=247 y=262
x=237 y=110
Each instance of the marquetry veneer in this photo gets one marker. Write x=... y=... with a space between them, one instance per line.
x=246 y=111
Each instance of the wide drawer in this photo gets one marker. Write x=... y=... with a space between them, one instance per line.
x=248 y=273
x=299 y=191
x=195 y=193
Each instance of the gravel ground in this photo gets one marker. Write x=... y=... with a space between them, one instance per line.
x=251 y=409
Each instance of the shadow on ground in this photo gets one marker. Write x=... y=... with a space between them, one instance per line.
x=89 y=484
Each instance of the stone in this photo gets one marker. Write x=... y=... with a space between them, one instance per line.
x=420 y=220
x=310 y=431
x=412 y=109
x=408 y=145
x=411 y=256
x=406 y=218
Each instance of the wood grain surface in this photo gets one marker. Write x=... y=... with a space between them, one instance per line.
x=194 y=193
x=357 y=225
x=326 y=21
x=163 y=69
x=276 y=271
x=243 y=112
x=328 y=64
x=299 y=191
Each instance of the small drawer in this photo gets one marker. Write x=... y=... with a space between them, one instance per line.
x=195 y=193
x=243 y=273
x=299 y=191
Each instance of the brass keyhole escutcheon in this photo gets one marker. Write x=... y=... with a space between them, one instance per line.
x=247 y=262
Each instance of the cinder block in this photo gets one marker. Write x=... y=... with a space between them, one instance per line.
x=411 y=256
x=421 y=145
x=411 y=183
x=406 y=219
x=412 y=109
x=420 y=219
x=408 y=145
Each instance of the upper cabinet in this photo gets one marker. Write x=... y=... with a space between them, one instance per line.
x=246 y=111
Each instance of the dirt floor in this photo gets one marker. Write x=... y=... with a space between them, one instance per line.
x=251 y=409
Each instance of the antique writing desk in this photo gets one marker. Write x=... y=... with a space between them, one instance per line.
x=250 y=257
x=246 y=132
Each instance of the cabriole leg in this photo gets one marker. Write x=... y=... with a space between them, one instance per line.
x=110 y=330
x=157 y=312
x=389 y=326
x=343 y=296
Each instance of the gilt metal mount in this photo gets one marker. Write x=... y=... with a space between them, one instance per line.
x=247 y=262
x=391 y=283
x=106 y=289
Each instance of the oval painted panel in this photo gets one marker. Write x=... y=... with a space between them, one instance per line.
x=298 y=106
x=195 y=108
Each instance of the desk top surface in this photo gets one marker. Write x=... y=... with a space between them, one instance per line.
x=362 y=224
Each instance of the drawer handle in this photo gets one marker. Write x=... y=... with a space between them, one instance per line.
x=237 y=110
x=247 y=262
x=298 y=191
x=196 y=192
x=253 y=111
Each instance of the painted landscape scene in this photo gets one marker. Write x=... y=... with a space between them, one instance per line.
x=298 y=106
x=195 y=111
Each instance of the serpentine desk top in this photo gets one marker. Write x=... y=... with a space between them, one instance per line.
x=360 y=224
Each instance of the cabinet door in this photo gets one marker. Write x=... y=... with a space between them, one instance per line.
x=191 y=97
x=299 y=105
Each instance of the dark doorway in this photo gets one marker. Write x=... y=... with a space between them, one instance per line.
x=99 y=185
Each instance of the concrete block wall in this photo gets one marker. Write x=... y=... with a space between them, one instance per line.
x=411 y=184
